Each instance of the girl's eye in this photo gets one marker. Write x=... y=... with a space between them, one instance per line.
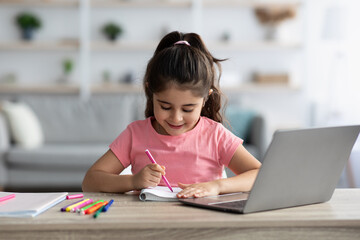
x=165 y=108
x=187 y=110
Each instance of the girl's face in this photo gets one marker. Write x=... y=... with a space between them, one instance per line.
x=176 y=111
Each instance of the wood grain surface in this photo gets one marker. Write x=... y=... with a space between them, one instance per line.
x=129 y=218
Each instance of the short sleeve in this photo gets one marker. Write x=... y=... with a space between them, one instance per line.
x=227 y=145
x=121 y=147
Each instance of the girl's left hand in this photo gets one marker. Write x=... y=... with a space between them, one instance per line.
x=198 y=189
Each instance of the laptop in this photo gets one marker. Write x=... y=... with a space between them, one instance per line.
x=300 y=167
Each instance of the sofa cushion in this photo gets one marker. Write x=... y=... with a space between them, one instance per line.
x=240 y=121
x=58 y=157
x=68 y=119
x=24 y=125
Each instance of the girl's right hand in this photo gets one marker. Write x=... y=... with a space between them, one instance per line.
x=149 y=176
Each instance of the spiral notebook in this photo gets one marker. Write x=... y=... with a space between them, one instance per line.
x=29 y=204
x=159 y=193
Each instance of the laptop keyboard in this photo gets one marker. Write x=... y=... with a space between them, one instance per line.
x=234 y=204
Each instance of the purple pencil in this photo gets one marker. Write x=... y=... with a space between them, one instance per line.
x=63 y=209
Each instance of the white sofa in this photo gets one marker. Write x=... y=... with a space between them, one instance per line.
x=75 y=135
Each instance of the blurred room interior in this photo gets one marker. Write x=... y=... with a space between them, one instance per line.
x=79 y=70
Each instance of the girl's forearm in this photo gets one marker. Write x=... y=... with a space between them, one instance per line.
x=240 y=183
x=99 y=181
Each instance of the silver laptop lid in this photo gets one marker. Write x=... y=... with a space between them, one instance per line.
x=301 y=167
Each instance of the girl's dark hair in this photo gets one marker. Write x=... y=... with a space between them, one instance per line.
x=187 y=67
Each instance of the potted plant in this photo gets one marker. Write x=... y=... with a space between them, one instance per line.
x=112 y=31
x=28 y=22
x=68 y=67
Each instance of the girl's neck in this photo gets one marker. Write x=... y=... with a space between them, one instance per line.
x=158 y=128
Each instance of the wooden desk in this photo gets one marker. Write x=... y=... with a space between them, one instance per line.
x=129 y=218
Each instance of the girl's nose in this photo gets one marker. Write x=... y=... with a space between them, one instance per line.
x=177 y=116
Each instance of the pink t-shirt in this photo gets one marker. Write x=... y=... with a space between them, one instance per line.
x=198 y=155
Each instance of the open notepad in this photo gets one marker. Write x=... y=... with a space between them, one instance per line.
x=159 y=193
x=29 y=204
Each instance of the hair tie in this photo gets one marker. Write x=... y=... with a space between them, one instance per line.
x=182 y=42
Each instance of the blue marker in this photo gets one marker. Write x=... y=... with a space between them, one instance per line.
x=107 y=205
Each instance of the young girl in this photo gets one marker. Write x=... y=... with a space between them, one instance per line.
x=183 y=130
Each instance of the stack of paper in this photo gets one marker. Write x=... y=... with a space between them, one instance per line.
x=29 y=204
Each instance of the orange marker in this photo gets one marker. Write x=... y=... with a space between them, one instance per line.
x=95 y=207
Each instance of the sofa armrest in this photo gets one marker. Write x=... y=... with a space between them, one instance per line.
x=4 y=146
x=4 y=133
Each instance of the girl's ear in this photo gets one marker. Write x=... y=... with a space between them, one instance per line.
x=205 y=99
x=210 y=91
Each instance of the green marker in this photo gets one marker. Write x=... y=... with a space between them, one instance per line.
x=81 y=210
x=98 y=211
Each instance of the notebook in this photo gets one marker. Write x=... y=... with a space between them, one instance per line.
x=29 y=204
x=159 y=193
x=300 y=167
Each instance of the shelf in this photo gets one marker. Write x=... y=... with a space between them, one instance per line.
x=69 y=88
x=35 y=88
x=214 y=46
x=128 y=88
x=141 y=4
x=250 y=3
x=40 y=46
x=248 y=87
x=142 y=46
x=263 y=88
x=123 y=46
x=116 y=88
x=149 y=3
x=41 y=3
x=253 y=46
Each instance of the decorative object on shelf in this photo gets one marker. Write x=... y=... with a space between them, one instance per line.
x=112 y=31
x=9 y=78
x=128 y=78
x=28 y=23
x=106 y=77
x=225 y=36
x=271 y=17
x=68 y=67
x=271 y=78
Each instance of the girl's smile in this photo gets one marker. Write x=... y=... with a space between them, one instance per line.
x=175 y=127
x=176 y=111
